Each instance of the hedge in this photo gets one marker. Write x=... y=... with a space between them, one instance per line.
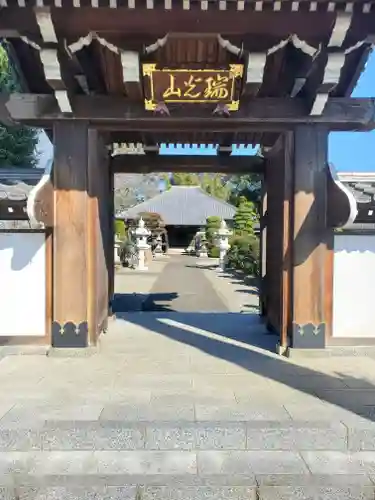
x=244 y=254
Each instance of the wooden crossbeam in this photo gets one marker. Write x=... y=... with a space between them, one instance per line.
x=124 y=163
x=259 y=114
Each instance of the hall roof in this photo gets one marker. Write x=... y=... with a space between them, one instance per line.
x=183 y=206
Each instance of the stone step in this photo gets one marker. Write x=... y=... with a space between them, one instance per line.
x=252 y=460
x=102 y=435
x=162 y=487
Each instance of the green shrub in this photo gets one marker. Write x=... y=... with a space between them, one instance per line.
x=245 y=217
x=244 y=254
x=212 y=225
x=120 y=229
x=214 y=252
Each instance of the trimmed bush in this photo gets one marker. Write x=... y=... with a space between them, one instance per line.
x=212 y=226
x=120 y=229
x=244 y=254
x=245 y=217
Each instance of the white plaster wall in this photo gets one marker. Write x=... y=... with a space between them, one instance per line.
x=22 y=284
x=354 y=286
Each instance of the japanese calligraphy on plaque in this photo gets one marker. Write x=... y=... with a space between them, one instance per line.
x=192 y=86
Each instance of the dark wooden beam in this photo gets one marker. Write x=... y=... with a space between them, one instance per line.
x=260 y=114
x=309 y=25
x=125 y=163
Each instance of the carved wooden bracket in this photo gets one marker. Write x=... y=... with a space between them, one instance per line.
x=342 y=206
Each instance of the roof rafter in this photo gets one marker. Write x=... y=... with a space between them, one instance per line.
x=50 y=58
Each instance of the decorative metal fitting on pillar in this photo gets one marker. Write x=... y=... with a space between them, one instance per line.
x=308 y=336
x=70 y=335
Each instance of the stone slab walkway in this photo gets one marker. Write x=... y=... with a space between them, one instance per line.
x=183 y=287
x=188 y=406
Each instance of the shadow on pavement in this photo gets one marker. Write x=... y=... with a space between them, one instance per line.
x=132 y=302
x=242 y=340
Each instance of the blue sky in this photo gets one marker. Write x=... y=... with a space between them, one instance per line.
x=355 y=151
x=348 y=151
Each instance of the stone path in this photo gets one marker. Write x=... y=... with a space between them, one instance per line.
x=183 y=287
x=182 y=405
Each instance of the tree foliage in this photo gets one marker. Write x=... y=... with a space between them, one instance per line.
x=245 y=217
x=17 y=143
x=153 y=222
x=248 y=185
x=213 y=184
x=185 y=179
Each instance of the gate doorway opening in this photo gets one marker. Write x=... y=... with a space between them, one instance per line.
x=187 y=277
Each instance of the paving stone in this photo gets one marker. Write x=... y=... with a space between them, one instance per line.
x=92 y=436
x=178 y=490
x=145 y=462
x=314 y=480
x=318 y=411
x=88 y=493
x=20 y=440
x=241 y=412
x=14 y=462
x=148 y=412
x=198 y=493
x=196 y=436
x=296 y=436
x=361 y=436
x=336 y=462
x=348 y=398
x=123 y=479
x=4 y=408
x=24 y=416
x=44 y=463
x=7 y=493
x=246 y=462
x=315 y=493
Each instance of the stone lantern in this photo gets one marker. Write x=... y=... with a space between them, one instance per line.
x=117 y=245
x=158 y=248
x=222 y=236
x=141 y=234
x=202 y=247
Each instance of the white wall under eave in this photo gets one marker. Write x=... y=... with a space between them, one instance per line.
x=22 y=284
x=354 y=285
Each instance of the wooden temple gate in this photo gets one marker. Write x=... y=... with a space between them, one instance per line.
x=277 y=73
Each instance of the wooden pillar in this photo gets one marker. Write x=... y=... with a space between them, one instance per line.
x=310 y=239
x=111 y=242
x=279 y=192
x=80 y=289
x=263 y=250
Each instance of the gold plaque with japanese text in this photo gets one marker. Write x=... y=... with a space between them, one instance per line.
x=192 y=86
